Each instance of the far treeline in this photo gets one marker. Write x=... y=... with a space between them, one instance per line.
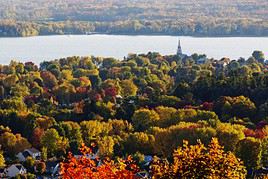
x=146 y=104
x=185 y=17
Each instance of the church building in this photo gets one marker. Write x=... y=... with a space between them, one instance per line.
x=179 y=51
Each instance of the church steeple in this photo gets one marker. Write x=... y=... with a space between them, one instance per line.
x=179 y=50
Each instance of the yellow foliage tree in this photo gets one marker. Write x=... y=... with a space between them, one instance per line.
x=198 y=161
x=2 y=160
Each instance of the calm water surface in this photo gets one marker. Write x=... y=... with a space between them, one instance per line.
x=40 y=48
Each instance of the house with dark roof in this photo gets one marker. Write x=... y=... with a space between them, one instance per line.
x=15 y=169
x=32 y=152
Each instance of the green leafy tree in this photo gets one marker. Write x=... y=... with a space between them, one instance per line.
x=120 y=127
x=239 y=106
x=229 y=135
x=93 y=129
x=44 y=153
x=50 y=139
x=250 y=151
x=19 y=90
x=108 y=62
x=29 y=163
x=139 y=142
x=258 y=55
x=13 y=103
x=72 y=131
x=265 y=152
x=144 y=118
x=168 y=139
x=53 y=142
x=128 y=88
x=167 y=116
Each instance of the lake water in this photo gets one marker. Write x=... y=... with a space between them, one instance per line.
x=40 y=48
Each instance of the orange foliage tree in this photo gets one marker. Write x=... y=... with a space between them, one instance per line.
x=189 y=161
x=198 y=161
x=84 y=167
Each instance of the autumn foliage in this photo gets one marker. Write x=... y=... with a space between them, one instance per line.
x=84 y=167
x=257 y=133
x=189 y=161
x=198 y=161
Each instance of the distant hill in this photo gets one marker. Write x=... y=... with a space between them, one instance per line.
x=184 y=17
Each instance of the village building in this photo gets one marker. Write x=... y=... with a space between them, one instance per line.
x=14 y=170
x=32 y=152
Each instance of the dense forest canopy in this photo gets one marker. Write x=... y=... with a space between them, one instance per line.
x=106 y=10
x=209 y=18
x=171 y=116
x=146 y=104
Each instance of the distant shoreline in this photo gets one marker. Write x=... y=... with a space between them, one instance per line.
x=141 y=34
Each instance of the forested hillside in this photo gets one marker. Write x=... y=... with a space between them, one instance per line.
x=146 y=104
x=198 y=18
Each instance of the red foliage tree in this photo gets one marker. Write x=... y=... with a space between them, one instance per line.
x=207 y=106
x=36 y=136
x=258 y=133
x=84 y=167
x=111 y=91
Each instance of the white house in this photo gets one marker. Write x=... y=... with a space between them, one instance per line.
x=32 y=152
x=15 y=169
